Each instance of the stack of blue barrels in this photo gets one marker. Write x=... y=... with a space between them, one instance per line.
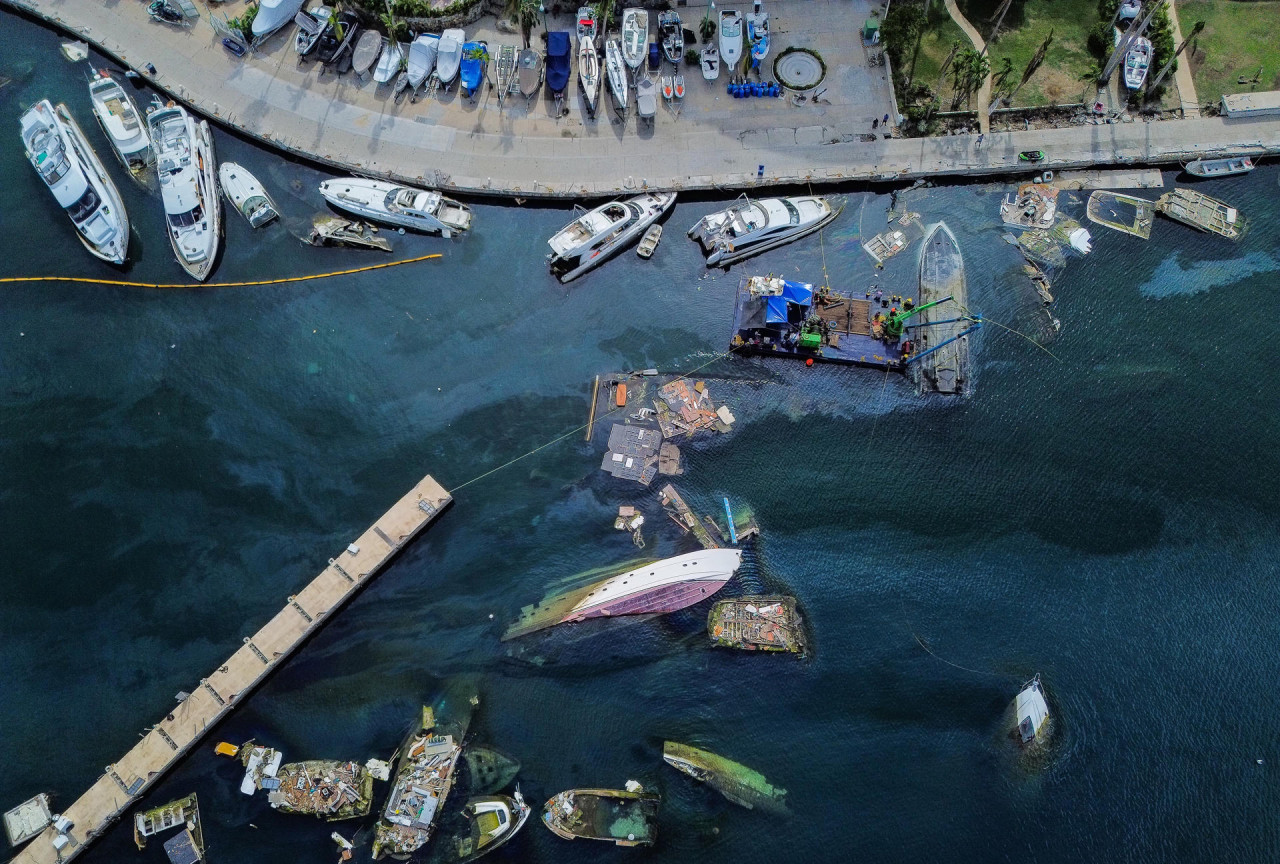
x=747 y=90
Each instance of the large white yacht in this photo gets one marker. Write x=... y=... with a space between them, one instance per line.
x=188 y=185
x=67 y=164
x=121 y=121
x=597 y=235
x=394 y=204
x=751 y=227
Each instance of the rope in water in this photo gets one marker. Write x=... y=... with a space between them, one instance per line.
x=281 y=281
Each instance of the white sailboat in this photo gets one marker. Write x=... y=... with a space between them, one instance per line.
x=617 y=74
x=589 y=72
x=730 y=38
x=599 y=234
x=188 y=185
x=393 y=204
x=635 y=36
x=66 y=163
x=246 y=194
x=120 y=121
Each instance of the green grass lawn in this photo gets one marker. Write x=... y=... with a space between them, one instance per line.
x=1238 y=38
x=935 y=45
x=1062 y=78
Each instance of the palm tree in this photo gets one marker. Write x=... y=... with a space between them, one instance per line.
x=524 y=13
x=1006 y=69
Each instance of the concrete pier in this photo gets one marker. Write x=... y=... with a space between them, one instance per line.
x=715 y=142
x=124 y=781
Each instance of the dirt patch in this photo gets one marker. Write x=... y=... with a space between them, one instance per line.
x=1059 y=87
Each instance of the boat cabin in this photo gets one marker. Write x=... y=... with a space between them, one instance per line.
x=413 y=202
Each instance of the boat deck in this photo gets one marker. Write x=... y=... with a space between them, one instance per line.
x=941 y=351
x=164 y=743
x=1125 y=213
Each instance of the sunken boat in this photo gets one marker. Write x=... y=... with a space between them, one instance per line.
x=493 y=819
x=627 y=817
x=328 y=790
x=743 y=786
x=488 y=770
x=941 y=360
x=1202 y=212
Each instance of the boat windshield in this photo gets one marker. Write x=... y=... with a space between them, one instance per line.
x=83 y=208
x=188 y=219
x=791 y=211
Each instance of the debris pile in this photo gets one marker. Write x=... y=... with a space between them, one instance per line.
x=757 y=624
x=329 y=790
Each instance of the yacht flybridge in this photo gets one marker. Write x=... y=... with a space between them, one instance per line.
x=188 y=185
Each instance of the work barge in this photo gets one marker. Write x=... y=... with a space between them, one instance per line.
x=164 y=743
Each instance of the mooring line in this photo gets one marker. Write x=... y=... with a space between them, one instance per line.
x=281 y=281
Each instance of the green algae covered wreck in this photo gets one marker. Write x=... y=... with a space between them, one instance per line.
x=737 y=782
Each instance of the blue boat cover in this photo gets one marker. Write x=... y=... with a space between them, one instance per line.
x=799 y=293
x=475 y=57
x=557 y=60
x=775 y=310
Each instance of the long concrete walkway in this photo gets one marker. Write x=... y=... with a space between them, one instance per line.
x=715 y=143
x=1182 y=75
x=984 y=92
x=166 y=742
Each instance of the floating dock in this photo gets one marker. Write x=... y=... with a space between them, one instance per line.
x=1126 y=213
x=216 y=695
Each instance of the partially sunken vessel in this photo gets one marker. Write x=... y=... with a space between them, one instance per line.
x=741 y=785
x=627 y=817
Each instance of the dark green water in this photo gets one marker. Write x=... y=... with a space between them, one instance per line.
x=176 y=463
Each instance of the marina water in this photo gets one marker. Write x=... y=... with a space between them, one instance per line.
x=1101 y=511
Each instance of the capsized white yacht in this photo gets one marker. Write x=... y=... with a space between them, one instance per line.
x=750 y=227
x=188 y=184
x=1031 y=712
x=246 y=194
x=67 y=164
x=272 y=15
x=393 y=204
x=616 y=73
x=120 y=121
x=597 y=235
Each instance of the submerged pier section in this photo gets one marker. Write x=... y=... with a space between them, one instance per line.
x=214 y=696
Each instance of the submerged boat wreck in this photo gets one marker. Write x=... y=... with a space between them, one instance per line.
x=328 y=790
x=741 y=785
x=1031 y=714
x=757 y=624
x=488 y=770
x=187 y=847
x=640 y=588
x=627 y=817
x=1202 y=212
x=328 y=229
x=494 y=820
x=1125 y=213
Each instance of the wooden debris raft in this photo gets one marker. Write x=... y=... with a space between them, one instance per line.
x=758 y=623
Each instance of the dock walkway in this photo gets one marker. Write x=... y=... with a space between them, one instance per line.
x=214 y=696
x=714 y=143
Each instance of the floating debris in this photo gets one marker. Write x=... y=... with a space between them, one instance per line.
x=1126 y=213
x=1040 y=280
x=741 y=785
x=327 y=229
x=185 y=848
x=489 y=770
x=494 y=819
x=1202 y=212
x=75 y=51
x=757 y=623
x=1031 y=714
x=1035 y=206
x=260 y=763
x=633 y=453
x=627 y=817
x=669 y=456
x=630 y=520
x=679 y=513
x=28 y=819
x=686 y=410
x=330 y=790
x=884 y=246
x=378 y=769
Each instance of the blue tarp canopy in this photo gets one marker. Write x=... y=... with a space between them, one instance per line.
x=797 y=292
x=557 y=60
x=775 y=310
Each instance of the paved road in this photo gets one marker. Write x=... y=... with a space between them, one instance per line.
x=716 y=143
x=984 y=92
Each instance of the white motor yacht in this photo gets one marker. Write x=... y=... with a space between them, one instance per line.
x=246 y=194
x=188 y=184
x=120 y=121
x=594 y=237
x=730 y=38
x=635 y=36
x=393 y=204
x=449 y=55
x=1136 y=63
x=272 y=15
x=617 y=74
x=750 y=227
x=67 y=164
x=589 y=72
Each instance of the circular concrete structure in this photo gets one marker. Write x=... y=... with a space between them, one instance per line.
x=799 y=69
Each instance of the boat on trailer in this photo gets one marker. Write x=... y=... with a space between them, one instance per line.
x=672 y=34
x=730 y=38
x=589 y=72
x=505 y=70
x=617 y=74
x=635 y=36
x=1136 y=63
x=422 y=58
x=1220 y=167
x=597 y=235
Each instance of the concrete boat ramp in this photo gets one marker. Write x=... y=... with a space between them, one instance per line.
x=125 y=780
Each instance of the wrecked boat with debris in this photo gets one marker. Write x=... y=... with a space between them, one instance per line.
x=187 y=846
x=493 y=820
x=261 y=764
x=627 y=817
x=636 y=588
x=758 y=623
x=1128 y=214
x=328 y=790
x=1202 y=212
x=1034 y=206
x=330 y=230
x=940 y=333
x=743 y=786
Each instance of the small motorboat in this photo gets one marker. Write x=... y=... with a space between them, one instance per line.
x=672 y=36
x=493 y=820
x=1031 y=156
x=750 y=227
x=422 y=58
x=337 y=41
x=390 y=61
x=475 y=61
x=667 y=87
x=120 y=121
x=758 y=33
x=246 y=194
x=1031 y=713
x=635 y=36
x=1220 y=167
x=449 y=56
x=167 y=13
x=1136 y=63
x=595 y=236
x=559 y=63
x=367 y=49
x=649 y=242
x=312 y=24
x=529 y=72
x=394 y=204
x=589 y=72
x=587 y=24
x=595 y=814
x=730 y=38
x=646 y=98
x=272 y=15
x=61 y=155
x=678 y=84
x=616 y=71
x=711 y=62
x=505 y=70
